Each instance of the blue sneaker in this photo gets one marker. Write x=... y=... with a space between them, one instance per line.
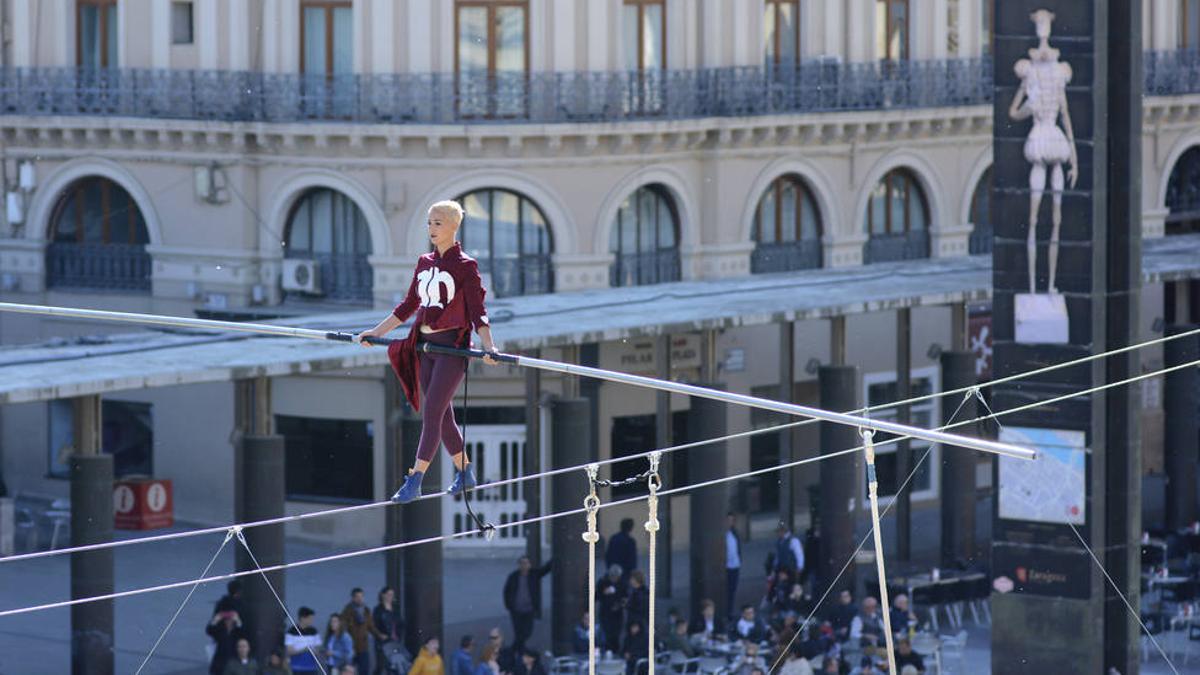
x=411 y=488
x=463 y=480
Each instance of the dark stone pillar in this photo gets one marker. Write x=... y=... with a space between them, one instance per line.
x=1080 y=624
x=662 y=439
x=91 y=571
x=787 y=439
x=706 y=419
x=571 y=428
x=395 y=410
x=839 y=477
x=904 y=447
x=423 y=570
x=958 y=464
x=263 y=496
x=1182 y=427
x=532 y=490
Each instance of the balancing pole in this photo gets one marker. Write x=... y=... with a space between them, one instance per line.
x=932 y=436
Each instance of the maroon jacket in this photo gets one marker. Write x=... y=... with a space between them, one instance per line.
x=446 y=292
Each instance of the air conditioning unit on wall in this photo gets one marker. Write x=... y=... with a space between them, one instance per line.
x=302 y=275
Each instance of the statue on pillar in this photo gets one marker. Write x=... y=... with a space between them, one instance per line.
x=1042 y=96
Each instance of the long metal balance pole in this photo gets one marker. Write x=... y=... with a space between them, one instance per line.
x=982 y=445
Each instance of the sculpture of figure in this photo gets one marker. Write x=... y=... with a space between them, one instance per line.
x=1043 y=96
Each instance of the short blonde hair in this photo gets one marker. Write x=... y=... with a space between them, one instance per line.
x=448 y=206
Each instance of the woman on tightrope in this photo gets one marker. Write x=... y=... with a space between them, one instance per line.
x=447 y=297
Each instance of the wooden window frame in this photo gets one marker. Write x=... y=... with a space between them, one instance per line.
x=75 y=193
x=802 y=193
x=776 y=6
x=490 y=6
x=328 y=6
x=910 y=182
x=887 y=27
x=104 y=37
x=641 y=36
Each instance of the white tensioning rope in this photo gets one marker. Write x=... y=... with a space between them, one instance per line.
x=578 y=511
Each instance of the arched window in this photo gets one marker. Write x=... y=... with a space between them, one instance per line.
x=645 y=238
x=981 y=215
x=98 y=239
x=1183 y=194
x=787 y=228
x=509 y=236
x=897 y=219
x=327 y=226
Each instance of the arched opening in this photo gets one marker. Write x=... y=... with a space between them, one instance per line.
x=981 y=216
x=897 y=219
x=327 y=227
x=1183 y=194
x=510 y=237
x=787 y=228
x=645 y=238
x=98 y=239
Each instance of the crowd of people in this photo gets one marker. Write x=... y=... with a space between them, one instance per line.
x=358 y=640
x=845 y=637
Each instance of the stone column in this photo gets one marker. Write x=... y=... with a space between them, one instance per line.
x=904 y=460
x=839 y=477
x=958 y=464
x=707 y=419
x=91 y=523
x=532 y=490
x=571 y=430
x=1181 y=426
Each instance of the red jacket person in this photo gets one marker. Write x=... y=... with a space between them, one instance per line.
x=447 y=298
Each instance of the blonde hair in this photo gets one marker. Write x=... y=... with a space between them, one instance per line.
x=448 y=206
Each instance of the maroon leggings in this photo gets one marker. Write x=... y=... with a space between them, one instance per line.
x=440 y=377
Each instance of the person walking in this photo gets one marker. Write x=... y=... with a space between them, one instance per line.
x=356 y=616
x=523 y=599
x=622 y=549
x=462 y=662
x=733 y=564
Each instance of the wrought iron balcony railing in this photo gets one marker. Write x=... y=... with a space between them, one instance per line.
x=893 y=247
x=441 y=98
x=545 y=97
x=640 y=269
x=109 y=267
x=786 y=257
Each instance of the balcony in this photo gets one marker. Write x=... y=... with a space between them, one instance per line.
x=641 y=269
x=106 y=267
x=786 y=257
x=443 y=98
x=894 y=247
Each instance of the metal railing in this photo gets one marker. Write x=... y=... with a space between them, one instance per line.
x=545 y=97
x=980 y=240
x=786 y=257
x=511 y=276
x=640 y=269
x=110 y=267
x=892 y=247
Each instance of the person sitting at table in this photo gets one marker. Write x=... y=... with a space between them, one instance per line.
x=866 y=667
x=748 y=661
x=796 y=664
x=905 y=656
x=530 y=664
x=842 y=615
x=867 y=626
x=677 y=640
x=749 y=627
x=708 y=625
x=783 y=631
x=818 y=642
x=579 y=638
x=635 y=645
x=902 y=615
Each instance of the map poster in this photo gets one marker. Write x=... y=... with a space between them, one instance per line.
x=1052 y=488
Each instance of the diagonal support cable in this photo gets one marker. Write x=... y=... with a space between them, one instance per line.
x=179 y=610
x=242 y=539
